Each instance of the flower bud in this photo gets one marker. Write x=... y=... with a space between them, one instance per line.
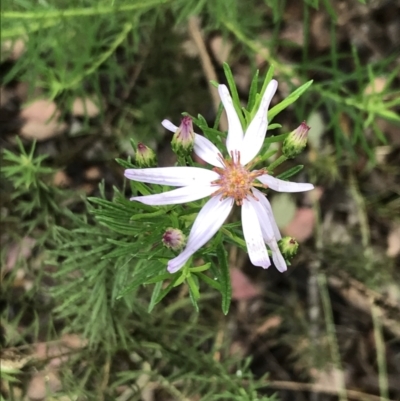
x=296 y=141
x=145 y=157
x=183 y=139
x=174 y=239
x=288 y=246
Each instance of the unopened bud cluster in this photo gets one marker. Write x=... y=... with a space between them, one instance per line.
x=296 y=141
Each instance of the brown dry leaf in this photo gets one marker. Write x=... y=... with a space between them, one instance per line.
x=242 y=287
x=376 y=86
x=61 y=179
x=12 y=49
x=11 y=360
x=85 y=107
x=23 y=250
x=238 y=349
x=42 y=383
x=320 y=31
x=302 y=225
x=393 y=248
x=74 y=341
x=56 y=352
x=41 y=120
x=329 y=379
x=294 y=33
x=93 y=173
x=5 y=96
x=221 y=48
x=87 y=188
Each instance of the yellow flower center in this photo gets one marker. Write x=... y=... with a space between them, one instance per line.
x=235 y=180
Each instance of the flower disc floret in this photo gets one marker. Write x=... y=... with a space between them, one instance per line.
x=235 y=180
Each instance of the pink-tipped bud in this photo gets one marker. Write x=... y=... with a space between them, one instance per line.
x=144 y=156
x=288 y=246
x=174 y=239
x=296 y=141
x=183 y=139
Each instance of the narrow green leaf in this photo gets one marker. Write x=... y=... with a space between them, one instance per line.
x=155 y=295
x=218 y=116
x=209 y=281
x=253 y=91
x=276 y=138
x=234 y=93
x=164 y=292
x=158 y=278
x=193 y=286
x=125 y=163
x=193 y=292
x=225 y=278
x=289 y=100
x=201 y=268
x=292 y=171
x=274 y=126
x=143 y=272
x=147 y=215
x=258 y=97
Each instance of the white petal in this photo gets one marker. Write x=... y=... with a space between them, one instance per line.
x=284 y=186
x=254 y=239
x=177 y=196
x=174 y=176
x=207 y=151
x=268 y=232
x=168 y=125
x=263 y=218
x=277 y=257
x=269 y=218
x=255 y=133
x=207 y=223
x=235 y=130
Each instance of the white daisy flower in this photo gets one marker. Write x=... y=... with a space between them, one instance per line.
x=230 y=181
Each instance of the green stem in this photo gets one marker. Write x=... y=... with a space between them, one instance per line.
x=277 y=162
x=81 y=12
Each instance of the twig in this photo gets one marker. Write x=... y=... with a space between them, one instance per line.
x=106 y=378
x=314 y=309
x=360 y=297
x=331 y=332
x=317 y=388
x=208 y=68
x=380 y=353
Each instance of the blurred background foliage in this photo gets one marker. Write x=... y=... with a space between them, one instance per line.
x=84 y=78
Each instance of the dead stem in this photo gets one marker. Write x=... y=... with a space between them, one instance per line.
x=352 y=394
x=208 y=68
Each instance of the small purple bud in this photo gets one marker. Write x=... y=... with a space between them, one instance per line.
x=296 y=141
x=144 y=156
x=183 y=139
x=174 y=239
